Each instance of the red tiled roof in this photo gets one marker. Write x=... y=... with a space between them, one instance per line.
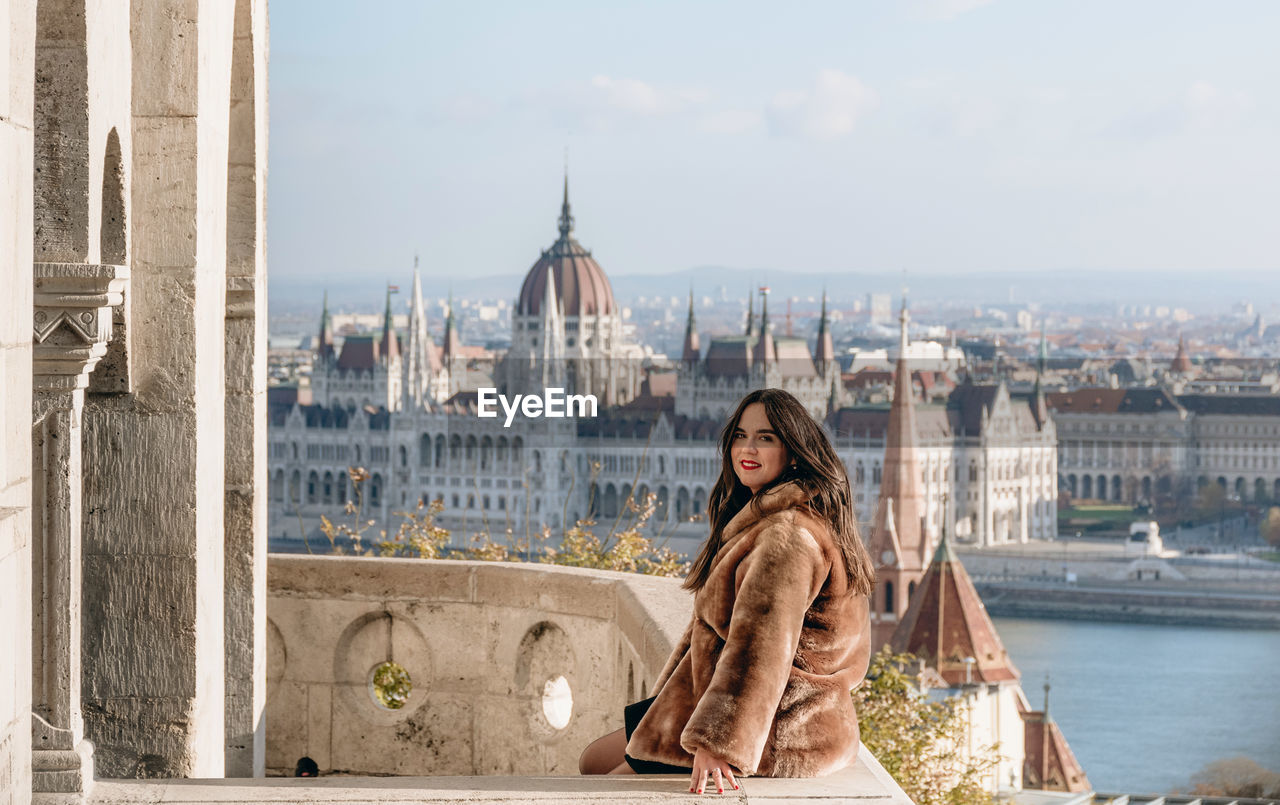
x=947 y=622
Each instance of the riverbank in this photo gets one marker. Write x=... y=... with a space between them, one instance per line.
x=1094 y=580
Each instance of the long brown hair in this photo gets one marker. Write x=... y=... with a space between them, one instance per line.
x=816 y=468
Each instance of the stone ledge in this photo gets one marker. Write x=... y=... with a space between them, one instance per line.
x=864 y=783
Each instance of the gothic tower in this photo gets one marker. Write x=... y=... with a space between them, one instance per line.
x=898 y=543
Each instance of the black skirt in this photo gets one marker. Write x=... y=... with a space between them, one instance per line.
x=631 y=715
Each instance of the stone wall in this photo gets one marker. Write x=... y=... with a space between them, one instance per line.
x=17 y=53
x=480 y=640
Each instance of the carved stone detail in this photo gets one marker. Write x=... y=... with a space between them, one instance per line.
x=241 y=292
x=73 y=321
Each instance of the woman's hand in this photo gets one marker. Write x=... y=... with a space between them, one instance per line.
x=707 y=765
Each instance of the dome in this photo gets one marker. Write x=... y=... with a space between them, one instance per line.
x=580 y=283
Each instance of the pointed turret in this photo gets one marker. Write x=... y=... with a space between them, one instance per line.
x=898 y=543
x=692 y=350
x=1181 y=362
x=566 y=216
x=390 y=346
x=764 y=352
x=1049 y=763
x=1039 y=406
x=751 y=314
x=324 y=343
x=824 y=351
x=419 y=350
x=452 y=346
x=552 y=349
x=947 y=626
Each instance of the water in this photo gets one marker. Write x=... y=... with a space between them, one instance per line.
x=1145 y=707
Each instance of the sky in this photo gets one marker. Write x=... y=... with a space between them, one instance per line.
x=928 y=136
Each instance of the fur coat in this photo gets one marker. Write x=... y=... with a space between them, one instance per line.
x=763 y=674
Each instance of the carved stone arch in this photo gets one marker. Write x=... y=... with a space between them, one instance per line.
x=113 y=237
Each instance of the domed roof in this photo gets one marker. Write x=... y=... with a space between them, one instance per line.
x=580 y=283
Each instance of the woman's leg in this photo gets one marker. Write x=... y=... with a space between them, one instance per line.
x=604 y=755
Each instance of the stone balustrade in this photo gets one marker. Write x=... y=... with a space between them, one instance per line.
x=514 y=668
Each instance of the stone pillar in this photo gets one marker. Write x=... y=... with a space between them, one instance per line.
x=246 y=485
x=72 y=325
x=154 y=670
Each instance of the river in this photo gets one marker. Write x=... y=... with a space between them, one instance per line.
x=1145 y=707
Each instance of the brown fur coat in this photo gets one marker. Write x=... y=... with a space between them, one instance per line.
x=762 y=675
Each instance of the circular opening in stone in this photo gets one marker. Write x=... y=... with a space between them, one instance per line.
x=390 y=685
x=557 y=702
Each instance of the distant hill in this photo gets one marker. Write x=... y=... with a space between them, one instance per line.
x=1196 y=291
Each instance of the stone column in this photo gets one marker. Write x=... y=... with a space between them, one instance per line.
x=72 y=326
x=246 y=484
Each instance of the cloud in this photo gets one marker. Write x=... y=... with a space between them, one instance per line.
x=640 y=98
x=827 y=110
x=1209 y=106
x=942 y=10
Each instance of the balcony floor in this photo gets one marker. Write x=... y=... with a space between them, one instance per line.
x=859 y=784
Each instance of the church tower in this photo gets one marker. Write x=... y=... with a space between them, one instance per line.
x=898 y=544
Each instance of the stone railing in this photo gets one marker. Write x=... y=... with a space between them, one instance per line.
x=485 y=645
x=514 y=669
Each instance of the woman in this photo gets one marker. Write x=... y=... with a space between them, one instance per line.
x=760 y=682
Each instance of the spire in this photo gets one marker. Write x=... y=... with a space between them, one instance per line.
x=1049 y=764
x=824 y=352
x=452 y=346
x=947 y=624
x=692 y=350
x=552 y=355
x=897 y=537
x=764 y=349
x=751 y=313
x=418 y=353
x=904 y=318
x=1181 y=362
x=1039 y=407
x=324 y=344
x=566 y=217
x=390 y=343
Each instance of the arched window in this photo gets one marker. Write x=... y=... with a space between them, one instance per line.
x=328 y=487
x=277 y=487
x=375 y=489
x=859 y=473
x=342 y=488
x=313 y=483
x=404 y=456
x=295 y=487
x=424 y=451
x=455 y=451
x=439 y=456
x=610 y=504
x=517 y=453
x=501 y=456
x=471 y=452
x=486 y=453
x=888 y=596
